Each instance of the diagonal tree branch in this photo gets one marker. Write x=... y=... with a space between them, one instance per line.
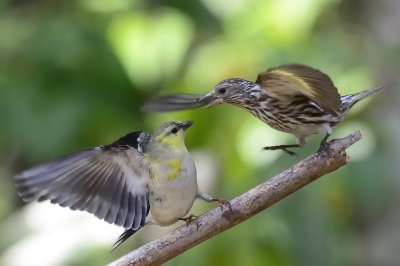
x=244 y=206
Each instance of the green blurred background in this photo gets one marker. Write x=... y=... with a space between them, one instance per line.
x=73 y=74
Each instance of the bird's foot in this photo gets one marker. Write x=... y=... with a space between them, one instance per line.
x=223 y=202
x=323 y=146
x=291 y=153
x=190 y=219
x=283 y=148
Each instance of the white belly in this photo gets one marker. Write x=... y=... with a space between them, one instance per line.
x=173 y=199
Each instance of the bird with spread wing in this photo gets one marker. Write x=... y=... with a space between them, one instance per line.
x=139 y=179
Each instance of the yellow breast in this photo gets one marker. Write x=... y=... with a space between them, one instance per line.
x=165 y=169
x=174 y=169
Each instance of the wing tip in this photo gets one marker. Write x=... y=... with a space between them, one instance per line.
x=173 y=102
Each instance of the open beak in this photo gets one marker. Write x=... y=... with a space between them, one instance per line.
x=185 y=124
x=210 y=100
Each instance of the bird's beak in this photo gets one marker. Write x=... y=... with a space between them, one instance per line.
x=210 y=100
x=185 y=124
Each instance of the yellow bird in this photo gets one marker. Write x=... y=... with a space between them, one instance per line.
x=139 y=179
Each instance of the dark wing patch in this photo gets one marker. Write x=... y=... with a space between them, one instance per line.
x=131 y=139
x=174 y=102
x=109 y=183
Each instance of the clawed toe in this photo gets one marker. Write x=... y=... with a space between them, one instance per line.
x=188 y=219
x=283 y=148
x=323 y=147
x=291 y=153
x=224 y=202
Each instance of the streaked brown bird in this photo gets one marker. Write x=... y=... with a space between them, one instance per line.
x=295 y=99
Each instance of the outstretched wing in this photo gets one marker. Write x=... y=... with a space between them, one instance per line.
x=107 y=181
x=288 y=81
x=174 y=102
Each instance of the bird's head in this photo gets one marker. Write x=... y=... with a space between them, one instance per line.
x=234 y=90
x=170 y=135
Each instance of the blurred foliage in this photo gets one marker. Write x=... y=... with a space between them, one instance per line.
x=73 y=74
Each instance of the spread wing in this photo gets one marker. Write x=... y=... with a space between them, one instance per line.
x=108 y=181
x=291 y=80
x=174 y=102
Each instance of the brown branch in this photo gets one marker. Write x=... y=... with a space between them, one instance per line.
x=244 y=206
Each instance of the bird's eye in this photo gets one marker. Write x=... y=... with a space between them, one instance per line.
x=174 y=130
x=222 y=90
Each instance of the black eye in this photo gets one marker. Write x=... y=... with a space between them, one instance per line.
x=222 y=90
x=174 y=130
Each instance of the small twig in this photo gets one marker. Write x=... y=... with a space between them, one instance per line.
x=244 y=206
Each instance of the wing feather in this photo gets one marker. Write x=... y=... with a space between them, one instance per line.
x=108 y=190
x=130 y=216
x=104 y=181
x=176 y=102
x=113 y=210
x=288 y=81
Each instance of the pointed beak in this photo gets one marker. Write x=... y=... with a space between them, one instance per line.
x=210 y=100
x=185 y=124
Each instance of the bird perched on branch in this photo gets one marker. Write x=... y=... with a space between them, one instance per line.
x=139 y=179
x=295 y=99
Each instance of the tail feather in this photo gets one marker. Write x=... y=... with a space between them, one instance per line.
x=123 y=237
x=349 y=100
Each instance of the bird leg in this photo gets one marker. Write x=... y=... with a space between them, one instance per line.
x=283 y=148
x=323 y=146
x=188 y=219
x=222 y=201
